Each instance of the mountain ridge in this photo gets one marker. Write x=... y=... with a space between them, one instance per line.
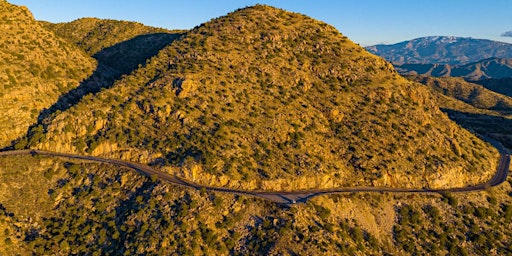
x=241 y=93
x=119 y=47
x=492 y=68
x=442 y=50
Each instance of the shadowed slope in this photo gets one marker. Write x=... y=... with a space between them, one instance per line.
x=473 y=94
x=503 y=86
x=113 y=62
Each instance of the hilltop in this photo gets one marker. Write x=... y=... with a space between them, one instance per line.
x=493 y=68
x=442 y=50
x=257 y=93
x=262 y=98
x=36 y=67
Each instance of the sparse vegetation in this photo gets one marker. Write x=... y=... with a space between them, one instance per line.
x=36 y=67
x=474 y=107
x=259 y=99
x=265 y=98
x=102 y=209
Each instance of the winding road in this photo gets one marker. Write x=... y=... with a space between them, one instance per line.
x=284 y=197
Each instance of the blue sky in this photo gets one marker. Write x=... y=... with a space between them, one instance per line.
x=366 y=22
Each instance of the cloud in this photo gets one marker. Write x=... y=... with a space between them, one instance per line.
x=507 y=34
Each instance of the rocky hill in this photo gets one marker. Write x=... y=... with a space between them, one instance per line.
x=442 y=50
x=493 y=68
x=264 y=96
x=267 y=99
x=36 y=67
x=119 y=47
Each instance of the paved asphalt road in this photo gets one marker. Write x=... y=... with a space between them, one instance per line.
x=285 y=197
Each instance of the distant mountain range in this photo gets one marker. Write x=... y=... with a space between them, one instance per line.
x=442 y=50
x=484 y=69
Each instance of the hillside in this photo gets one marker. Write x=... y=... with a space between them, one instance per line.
x=94 y=35
x=36 y=67
x=503 y=86
x=474 y=107
x=267 y=99
x=119 y=47
x=73 y=207
x=473 y=94
x=494 y=68
x=274 y=100
x=442 y=50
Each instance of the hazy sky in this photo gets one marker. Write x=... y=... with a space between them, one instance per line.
x=366 y=22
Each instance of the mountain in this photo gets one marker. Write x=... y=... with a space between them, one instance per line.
x=493 y=68
x=256 y=94
x=442 y=50
x=36 y=67
x=266 y=99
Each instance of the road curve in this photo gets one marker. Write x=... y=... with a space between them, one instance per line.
x=285 y=197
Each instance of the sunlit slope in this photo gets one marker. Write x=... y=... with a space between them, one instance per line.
x=35 y=68
x=474 y=107
x=473 y=94
x=263 y=98
x=63 y=206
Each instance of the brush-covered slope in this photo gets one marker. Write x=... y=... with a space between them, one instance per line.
x=65 y=207
x=94 y=35
x=119 y=47
x=473 y=94
x=474 y=107
x=263 y=98
x=35 y=68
